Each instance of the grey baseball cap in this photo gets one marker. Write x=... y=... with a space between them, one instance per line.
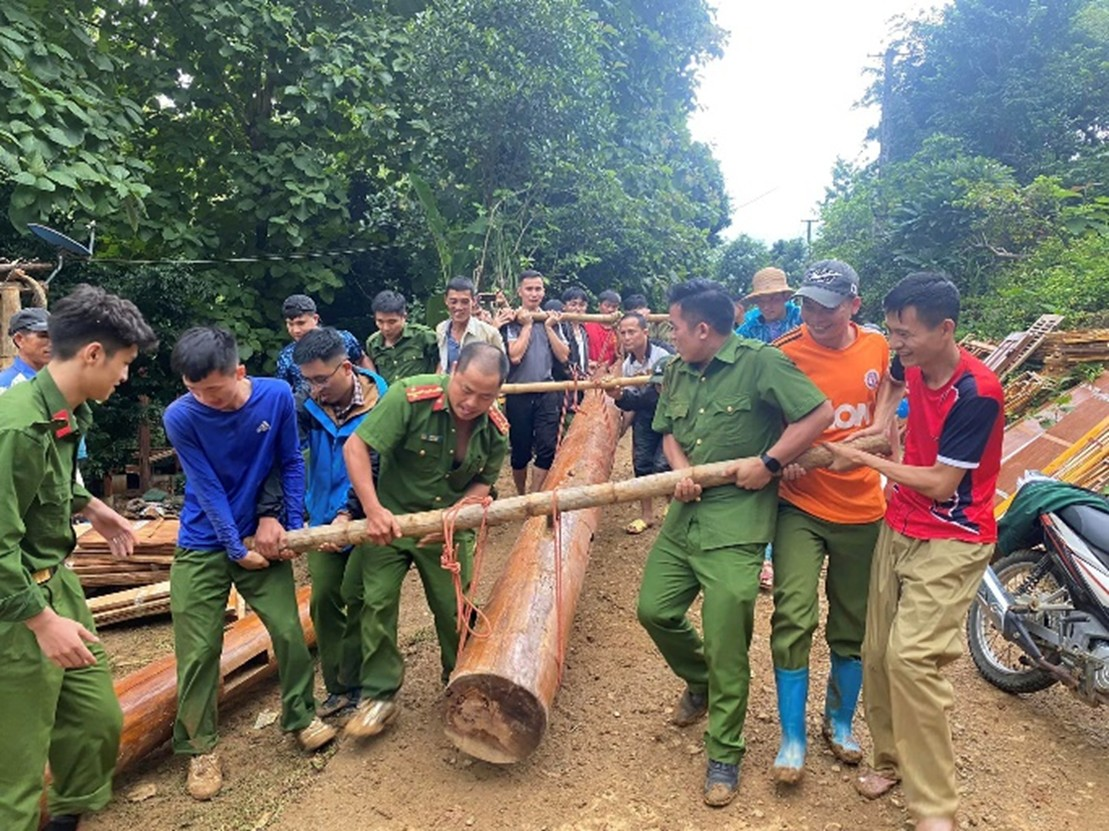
x=296 y=305
x=29 y=320
x=829 y=283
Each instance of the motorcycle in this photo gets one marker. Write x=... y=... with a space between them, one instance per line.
x=1041 y=616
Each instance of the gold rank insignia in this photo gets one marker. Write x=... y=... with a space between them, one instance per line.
x=498 y=419
x=423 y=393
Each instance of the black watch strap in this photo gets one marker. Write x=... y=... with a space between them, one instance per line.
x=772 y=464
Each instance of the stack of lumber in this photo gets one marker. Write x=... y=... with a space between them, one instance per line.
x=95 y=566
x=1062 y=350
x=1021 y=390
x=148 y=601
x=1012 y=352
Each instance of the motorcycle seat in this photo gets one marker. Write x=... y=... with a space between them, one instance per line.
x=1092 y=524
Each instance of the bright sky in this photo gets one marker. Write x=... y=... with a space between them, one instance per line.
x=779 y=107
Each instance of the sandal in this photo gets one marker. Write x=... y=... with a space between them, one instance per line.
x=637 y=526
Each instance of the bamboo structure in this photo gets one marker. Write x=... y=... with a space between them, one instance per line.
x=607 y=383
x=515 y=509
x=148 y=697
x=501 y=691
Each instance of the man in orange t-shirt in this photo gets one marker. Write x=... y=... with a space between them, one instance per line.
x=825 y=513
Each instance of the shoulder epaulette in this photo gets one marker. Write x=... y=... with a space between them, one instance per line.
x=424 y=392
x=498 y=419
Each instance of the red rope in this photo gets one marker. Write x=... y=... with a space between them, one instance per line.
x=465 y=607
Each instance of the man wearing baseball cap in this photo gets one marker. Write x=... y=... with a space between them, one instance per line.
x=28 y=328
x=301 y=317
x=828 y=514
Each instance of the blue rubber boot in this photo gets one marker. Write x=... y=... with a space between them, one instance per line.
x=793 y=691
x=844 y=683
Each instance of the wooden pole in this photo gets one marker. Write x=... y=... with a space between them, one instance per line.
x=599 y=318
x=513 y=509
x=9 y=305
x=27 y=266
x=500 y=694
x=607 y=383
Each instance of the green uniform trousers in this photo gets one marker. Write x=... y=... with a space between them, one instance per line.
x=383 y=570
x=336 y=609
x=676 y=570
x=920 y=591
x=199 y=583
x=801 y=543
x=69 y=717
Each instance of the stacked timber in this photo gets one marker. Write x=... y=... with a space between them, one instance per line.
x=1023 y=389
x=148 y=601
x=1062 y=350
x=96 y=566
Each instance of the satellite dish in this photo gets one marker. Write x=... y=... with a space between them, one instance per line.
x=58 y=240
x=63 y=244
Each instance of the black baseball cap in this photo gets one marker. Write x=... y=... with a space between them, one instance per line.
x=296 y=305
x=829 y=283
x=29 y=320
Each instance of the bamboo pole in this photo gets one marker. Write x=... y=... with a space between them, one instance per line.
x=586 y=317
x=502 y=511
x=607 y=383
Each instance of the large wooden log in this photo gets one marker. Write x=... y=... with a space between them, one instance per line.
x=500 y=694
x=517 y=508
x=149 y=696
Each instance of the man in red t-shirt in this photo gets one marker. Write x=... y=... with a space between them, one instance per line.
x=933 y=548
x=604 y=348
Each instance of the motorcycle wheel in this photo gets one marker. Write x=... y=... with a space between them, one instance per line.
x=999 y=661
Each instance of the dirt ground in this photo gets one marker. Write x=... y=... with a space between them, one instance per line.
x=610 y=760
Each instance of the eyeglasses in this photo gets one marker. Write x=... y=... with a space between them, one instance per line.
x=319 y=381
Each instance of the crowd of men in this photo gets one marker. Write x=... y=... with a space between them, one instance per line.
x=409 y=422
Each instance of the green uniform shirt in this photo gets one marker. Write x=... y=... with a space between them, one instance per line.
x=415 y=353
x=734 y=406
x=38 y=495
x=414 y=432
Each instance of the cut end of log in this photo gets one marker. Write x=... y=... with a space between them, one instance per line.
x=492 y=719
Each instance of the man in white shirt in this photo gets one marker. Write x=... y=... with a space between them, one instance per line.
x=463 y=327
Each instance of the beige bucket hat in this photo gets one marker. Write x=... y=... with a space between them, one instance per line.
x=768 y=281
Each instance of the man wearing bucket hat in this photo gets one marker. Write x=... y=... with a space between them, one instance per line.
x=832 y=515
x=773 y=314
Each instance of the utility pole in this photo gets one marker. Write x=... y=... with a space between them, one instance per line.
x=808 y=230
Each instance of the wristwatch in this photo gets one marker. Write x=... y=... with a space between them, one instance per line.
x=772 y=464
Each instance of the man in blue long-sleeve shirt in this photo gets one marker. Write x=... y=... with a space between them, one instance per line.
x=229 y=432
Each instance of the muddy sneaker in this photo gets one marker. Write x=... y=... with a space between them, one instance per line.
x=315 y=735
x=334 y=703
x=205 y=776
x=371 y=718
x=690 y=709
x=63 y=822
x=721 y=783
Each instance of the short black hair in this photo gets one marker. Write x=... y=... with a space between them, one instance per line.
x=552 y=305
x=390 y=302
x=88 y=314
x=488 y=358
x=530 y=274
x=609 y=296
x=202 y=350
x=640 y=320
x=296 y=305
x=321 y=344
x=704 y=301
x=574 y=293
x=636 y=301
x=461 y=284
x=931 y=293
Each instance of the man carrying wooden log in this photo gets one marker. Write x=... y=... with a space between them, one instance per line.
x=828 y=514
x=229 y=432
x=56 y=695
x=938 y=535
x=641 y=357
x=399 y=349
x=533 y=416
x=724 y=397
x=341 y=397
x=441 y=440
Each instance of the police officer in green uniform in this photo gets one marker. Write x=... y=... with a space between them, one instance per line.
x=725 y=397
x=440 y=439
x=400 y=349
x=57 y=702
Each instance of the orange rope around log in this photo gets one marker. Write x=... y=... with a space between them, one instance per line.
x=470 y=619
